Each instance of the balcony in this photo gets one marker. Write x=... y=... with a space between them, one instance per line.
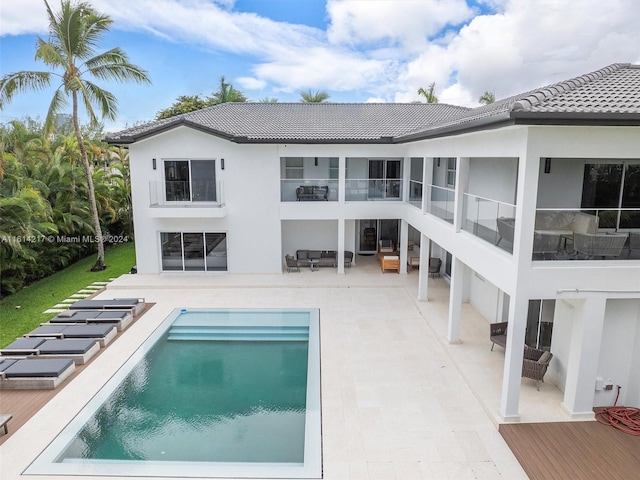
x=586 y=234
x=441 y=202
x=490 y=220
x=170 y=199
x=415 y=193
x=309 y=190
x=366 y=189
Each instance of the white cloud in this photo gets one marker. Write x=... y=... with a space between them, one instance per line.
x=22 y=16
x=251 y=83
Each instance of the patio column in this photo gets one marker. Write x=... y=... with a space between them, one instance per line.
x=342 y=182
x=404 y=245
x=423 y=272
x=584 y=355
x=340 y=252
x=512 y=374
x=455 y=298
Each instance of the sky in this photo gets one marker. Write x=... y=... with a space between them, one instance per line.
x=355 y=50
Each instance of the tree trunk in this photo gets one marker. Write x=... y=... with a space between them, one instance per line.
x=99 y=265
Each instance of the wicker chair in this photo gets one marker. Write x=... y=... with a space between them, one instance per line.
x=292 y=263
x=498 y=334
x=598 y=245
x=535 y=364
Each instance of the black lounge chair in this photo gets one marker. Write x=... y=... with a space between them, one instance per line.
x=135 y=304
x=80 y=350
x=103 y=333
x=118 y=318
x=34 y=373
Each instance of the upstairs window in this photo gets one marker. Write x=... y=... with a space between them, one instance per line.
x=451 y=172
x=190 y=180
x=294 y=168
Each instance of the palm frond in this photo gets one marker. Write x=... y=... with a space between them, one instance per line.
x=13 y=83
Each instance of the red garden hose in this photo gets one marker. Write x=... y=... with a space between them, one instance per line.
x=626 y=419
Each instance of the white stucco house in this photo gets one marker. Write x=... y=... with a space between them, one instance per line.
x=532 y=204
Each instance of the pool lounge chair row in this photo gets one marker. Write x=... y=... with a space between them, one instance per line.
x=44 y=357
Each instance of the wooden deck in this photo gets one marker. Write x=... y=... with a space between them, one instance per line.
x=23 y=404
x=573 y=450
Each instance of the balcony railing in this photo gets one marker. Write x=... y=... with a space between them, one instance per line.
x=441 y=202
x=587 y=234
x=318 y=190
x=415 y=193
x=365 y=189
x=177 y=193
x=490 y=220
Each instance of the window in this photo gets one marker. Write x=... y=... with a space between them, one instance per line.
x=451 y=172
x=293 y=168
x=194 y=251
x=190 y=180
x=613 y=189
x=333 y=168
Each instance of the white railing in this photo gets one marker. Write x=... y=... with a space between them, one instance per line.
x=489 y=219
x=309 y=189
x=415 y=193
x=365 y=189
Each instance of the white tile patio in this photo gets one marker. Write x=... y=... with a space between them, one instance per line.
x=398 y=402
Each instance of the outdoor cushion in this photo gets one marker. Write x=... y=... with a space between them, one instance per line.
x=67 y=346
x=38 y=367
x=4 y=364
x=24 y=345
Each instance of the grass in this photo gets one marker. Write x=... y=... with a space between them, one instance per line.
x=22 y=312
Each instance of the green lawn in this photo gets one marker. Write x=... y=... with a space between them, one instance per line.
x=22 y=312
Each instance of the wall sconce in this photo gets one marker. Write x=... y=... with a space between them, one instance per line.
x=222 y=163
x=438 y=161
x=154 y=163
x=547 y=165
x=316 y=161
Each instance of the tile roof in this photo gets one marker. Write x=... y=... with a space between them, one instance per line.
x=609 y=94
x=303 y=122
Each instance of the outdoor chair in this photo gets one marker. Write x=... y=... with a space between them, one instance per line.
x=498 y=334
x=535 y=364
x=385 y=246
x=292 y=263
x=348 y=258
x=506 y=228
x=545 y=244
x=435 y=264
x=598 y=245
x=34 y=373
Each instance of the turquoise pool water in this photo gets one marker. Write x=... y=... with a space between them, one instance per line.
x=211 y=393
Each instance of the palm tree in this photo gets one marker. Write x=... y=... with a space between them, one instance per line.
x=226 y=93
x=69 y=52
x=319 y=96
x=487 y=97
x=429 y=94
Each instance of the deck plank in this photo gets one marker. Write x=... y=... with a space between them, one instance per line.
x=571 y=450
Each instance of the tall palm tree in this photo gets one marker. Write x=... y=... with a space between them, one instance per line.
x=319 y=96
x=74 y=32
x=487 y=97
x=429 y=93
x=226 y=93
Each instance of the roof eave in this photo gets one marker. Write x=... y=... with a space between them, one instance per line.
x=577 y=118
x=170 y=126
x=488 y=123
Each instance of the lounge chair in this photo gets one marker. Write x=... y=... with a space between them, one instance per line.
x=535 y=364
x=102 y=333
x=598 y=245
x=498 y=334
x=136 y=304
x=292 y=263
x=36 y=373
x=119 y=318
x=80 y=350
x=348 y=258
x=385 y=246
x=435 y=264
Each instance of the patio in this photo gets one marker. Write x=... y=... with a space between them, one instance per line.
x=398 y=400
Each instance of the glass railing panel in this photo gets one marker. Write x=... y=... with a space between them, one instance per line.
x=363 y=190
x=586 y=234
x=441 y=202
x=490 y=220
x=309 y=190
x=179 y=193
x=415 y=193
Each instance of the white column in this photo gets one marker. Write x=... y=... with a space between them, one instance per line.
x=340 y=252
x=423 y=271
x=584 y=356
x=455 y=300
x=404 y=245
x=462 y=180
x=342 y=169
x=512 y=375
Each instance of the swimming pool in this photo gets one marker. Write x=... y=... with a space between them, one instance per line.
x=211 y=393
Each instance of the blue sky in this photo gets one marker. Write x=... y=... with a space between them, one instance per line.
x=356 y=50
